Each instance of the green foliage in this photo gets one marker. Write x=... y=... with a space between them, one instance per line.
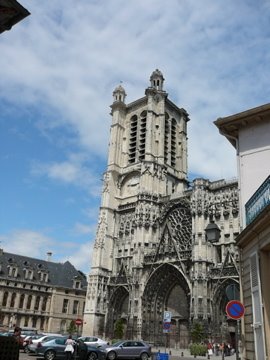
x=198 y=349
x=72 y=327
x=119 y=329
x=197 y=333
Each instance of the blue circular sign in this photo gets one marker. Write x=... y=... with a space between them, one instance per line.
x=235 y=309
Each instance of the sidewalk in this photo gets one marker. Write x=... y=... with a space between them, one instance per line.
x=178 y=354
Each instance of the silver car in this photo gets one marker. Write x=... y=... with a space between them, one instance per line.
x=128 y=349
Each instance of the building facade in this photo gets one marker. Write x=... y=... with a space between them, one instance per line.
x=249 y=133
x=39 y=294
x=151 y=253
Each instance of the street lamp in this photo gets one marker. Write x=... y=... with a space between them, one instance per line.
x=212 y=232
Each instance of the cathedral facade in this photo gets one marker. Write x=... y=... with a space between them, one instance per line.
x=151 y=252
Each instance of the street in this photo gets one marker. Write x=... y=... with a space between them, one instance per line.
x=176 y=355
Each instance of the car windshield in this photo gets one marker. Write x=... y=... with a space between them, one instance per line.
x=117 y=343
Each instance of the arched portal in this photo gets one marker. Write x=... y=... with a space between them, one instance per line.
x=118 y=310
x=167 y=289
x=223 y=328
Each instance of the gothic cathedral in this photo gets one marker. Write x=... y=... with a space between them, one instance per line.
x=151 y=252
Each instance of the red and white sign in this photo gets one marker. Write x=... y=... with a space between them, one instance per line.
x=78 y=322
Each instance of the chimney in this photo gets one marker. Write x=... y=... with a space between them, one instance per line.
x=49 y=255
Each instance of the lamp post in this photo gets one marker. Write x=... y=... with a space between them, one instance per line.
x=212 y=232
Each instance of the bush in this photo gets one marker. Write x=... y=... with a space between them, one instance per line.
x=198 y=349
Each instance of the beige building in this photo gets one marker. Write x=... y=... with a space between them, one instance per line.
x=151 y=254
x=39 y=294
x=249 y=133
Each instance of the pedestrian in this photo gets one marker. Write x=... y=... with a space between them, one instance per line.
x=210 y=349
x=82 y=349
x=69 y=348
x=17 y=335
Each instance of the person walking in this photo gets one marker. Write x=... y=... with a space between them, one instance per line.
x=69 y=348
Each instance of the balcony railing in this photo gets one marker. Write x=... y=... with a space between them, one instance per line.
x=259 y=200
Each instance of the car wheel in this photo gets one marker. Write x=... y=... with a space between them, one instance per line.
x=92 y=356
x=49 y=355
x=144 y=356
x=111 y=355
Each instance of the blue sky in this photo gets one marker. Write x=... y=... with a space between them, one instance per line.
x=59 y=67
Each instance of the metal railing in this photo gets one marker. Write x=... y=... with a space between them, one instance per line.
x=259 y=200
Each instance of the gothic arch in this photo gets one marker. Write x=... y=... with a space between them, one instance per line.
x=119 y=309
x=166 y=289
x=222 y=324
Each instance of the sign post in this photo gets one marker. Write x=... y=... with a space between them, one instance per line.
x=235 y=310
x=167 y=318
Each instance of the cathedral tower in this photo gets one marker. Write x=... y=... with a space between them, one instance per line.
x=150 y=252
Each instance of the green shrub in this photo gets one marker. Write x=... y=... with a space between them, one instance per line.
x=198 y=349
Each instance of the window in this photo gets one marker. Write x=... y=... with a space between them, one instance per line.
x=29 y=300
x=5 y=297
x=173 y=143
x=65 y=306
x=44 y=304
x=133 y=139
x=37 y=303
x=75 y=307
x=12 y=302
x=21 y=301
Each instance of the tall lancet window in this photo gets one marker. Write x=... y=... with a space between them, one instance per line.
x=142 y=136
x=133 y=139
x=166 y=138
x=173 y=143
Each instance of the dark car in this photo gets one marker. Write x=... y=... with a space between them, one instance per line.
x=128 y=349
x=55 y=349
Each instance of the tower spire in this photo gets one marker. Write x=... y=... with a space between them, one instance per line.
x=157 y=80
x=119 y=94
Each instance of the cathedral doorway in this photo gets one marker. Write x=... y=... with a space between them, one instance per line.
x=223 y=328
x=166 y=289
x=117 y=311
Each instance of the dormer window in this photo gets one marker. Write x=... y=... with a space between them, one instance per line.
x=43 y=276
x=77 y=283
x=12 y=271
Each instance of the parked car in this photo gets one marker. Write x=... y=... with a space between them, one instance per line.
x=35 y=343
x=55 y=349
x=28 y=340
x=128 y=349
x=93 y=341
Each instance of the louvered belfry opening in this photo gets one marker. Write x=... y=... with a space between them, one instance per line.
x=133 y=139
x=142 y=136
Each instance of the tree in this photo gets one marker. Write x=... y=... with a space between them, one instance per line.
x=119 y=329
x=72 y=327
x=197 y=333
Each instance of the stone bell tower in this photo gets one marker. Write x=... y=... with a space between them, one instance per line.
x=147 y=159
x=151 y=253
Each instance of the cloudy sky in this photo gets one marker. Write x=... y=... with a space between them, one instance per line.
x=59 y=67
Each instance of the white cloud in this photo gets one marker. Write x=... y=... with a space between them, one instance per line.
x=65 y=59
x=36 y=244
x=69 y=56
x=27 y=242
x=80 y=228
x=81 y=257
x=71 y=171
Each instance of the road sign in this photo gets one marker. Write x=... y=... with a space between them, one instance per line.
x=235 y=309
x=166 y=327
x=167 y=317
x=78 y=322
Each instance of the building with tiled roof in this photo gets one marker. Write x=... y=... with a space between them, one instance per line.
x=41 y=294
